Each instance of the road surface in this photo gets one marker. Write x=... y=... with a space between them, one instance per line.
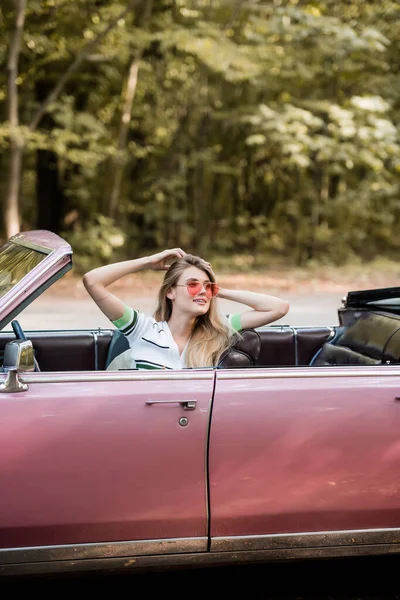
x=58 y=312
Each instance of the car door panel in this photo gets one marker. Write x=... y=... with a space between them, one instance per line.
x=305 y=450
x=85 y=458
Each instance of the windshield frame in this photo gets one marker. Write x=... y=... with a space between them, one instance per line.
x=56 y=262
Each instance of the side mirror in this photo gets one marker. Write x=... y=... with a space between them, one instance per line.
x=19 y=355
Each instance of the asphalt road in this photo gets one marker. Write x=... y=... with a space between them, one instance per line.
x=365 y=578
x=56 y=312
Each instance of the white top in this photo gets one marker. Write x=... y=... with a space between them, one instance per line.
x=151 y=344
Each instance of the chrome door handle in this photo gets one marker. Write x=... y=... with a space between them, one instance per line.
x=186 y=404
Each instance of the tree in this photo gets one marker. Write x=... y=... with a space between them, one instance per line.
x=127 y=98
x=17 y=140
x=11 y=210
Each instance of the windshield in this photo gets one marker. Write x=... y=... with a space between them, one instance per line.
x=16 y=262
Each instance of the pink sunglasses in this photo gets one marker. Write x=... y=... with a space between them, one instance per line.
x=195 y=287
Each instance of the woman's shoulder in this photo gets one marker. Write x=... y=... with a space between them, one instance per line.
x=133 y=320
x=233 y=321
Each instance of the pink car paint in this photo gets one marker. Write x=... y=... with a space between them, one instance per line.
x=92 y=461
x=305 y=450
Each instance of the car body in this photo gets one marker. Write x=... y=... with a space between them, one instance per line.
x=287 y=456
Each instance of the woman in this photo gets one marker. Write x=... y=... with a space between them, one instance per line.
x=187 y=329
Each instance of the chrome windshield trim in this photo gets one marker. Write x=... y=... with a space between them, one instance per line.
x=44 y=267
x=27 y=244
x=356 y=537
x=101 y=550
x=102 y=376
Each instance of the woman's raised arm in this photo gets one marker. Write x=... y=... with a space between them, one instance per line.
x=97 y=280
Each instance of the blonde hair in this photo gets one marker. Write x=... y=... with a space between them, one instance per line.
x=210 y=336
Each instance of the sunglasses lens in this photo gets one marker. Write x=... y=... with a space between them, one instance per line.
x=193 y=288
x=212 y=289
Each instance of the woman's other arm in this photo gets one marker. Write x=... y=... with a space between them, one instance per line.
x=265 y=309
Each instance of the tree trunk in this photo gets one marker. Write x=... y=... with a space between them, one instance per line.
x=126 y=115
x=11 y=207
x=119 y=162
x=50 y=197
x=74 y=66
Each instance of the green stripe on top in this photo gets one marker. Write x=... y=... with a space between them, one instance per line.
x=148 y=366
x=131 y=325
x=125 y=319
x=235 y=322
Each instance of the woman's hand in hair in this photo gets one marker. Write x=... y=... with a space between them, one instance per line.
x=208 y=265
x=163 y=260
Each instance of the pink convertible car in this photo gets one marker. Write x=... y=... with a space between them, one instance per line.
x=290 y=448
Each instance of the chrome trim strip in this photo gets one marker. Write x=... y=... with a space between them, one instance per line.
x=101 y=550
x=311 y=372
x=50 y=332
x=103 y=376
x=332 y=332
x=96 y=351
x=200 y=559
x=256 y=373
x=357 y=537
x=296 y=349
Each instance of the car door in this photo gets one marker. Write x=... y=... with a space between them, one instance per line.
x=91 y=460
x=295 y=452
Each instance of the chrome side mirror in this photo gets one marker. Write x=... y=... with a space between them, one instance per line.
x=18 y=357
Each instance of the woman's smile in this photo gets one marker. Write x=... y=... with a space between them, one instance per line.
x=201 y=301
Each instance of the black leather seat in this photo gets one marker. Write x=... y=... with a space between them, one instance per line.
x=244 y=352
x=118 y=344
x=371 y=340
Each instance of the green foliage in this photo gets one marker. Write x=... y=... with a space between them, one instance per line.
x=99 y=241
x=268 y=128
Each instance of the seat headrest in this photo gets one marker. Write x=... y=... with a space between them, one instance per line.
x=371 y=334
x=373 y=339
x=331 y=355
x=244 y=352
x=392 y=349
x=118 y=345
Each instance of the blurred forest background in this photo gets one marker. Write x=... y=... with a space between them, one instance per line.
x=258 y=131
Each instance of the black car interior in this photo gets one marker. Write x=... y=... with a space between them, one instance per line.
x=367 y=338
x=93 y=350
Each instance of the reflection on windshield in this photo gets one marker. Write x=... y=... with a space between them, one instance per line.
x=15 y=263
